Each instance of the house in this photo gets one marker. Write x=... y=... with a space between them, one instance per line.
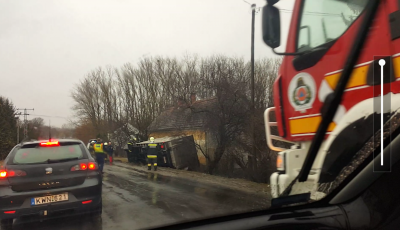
x=185 y=120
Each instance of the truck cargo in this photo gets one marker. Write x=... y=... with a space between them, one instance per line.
x=175 y=152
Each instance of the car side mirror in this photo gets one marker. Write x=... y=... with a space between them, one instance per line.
x=271 y=26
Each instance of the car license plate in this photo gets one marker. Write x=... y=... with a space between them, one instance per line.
x=49 y=199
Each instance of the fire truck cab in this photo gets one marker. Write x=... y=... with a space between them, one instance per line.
x=321 y=34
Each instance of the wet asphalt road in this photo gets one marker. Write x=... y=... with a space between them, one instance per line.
x=138 y=200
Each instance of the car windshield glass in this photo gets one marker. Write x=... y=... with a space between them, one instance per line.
x=34 y=155
x=322 y=21
x=177 y=110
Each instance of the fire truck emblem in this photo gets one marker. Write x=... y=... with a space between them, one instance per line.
x=302 y=92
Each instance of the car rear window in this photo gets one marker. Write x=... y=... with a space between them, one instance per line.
x=38 y=154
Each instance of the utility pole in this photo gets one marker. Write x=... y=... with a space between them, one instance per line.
x=26 y=122
x=18 y=124
x=49 y=131
x=254 y=157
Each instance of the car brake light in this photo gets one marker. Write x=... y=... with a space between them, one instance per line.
x=11 y=173
x=92 y=166
x=50 y=143
x=80 y=167
x=9 y=212
x=83 y=166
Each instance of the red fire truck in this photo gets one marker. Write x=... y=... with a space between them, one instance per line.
x=321 y=35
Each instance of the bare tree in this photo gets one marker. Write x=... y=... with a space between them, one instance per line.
x=136 y=94
x=35 y=127
x=226 y=116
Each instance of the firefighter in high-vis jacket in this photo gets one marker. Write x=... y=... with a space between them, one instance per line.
x=130 y=146
x=91 y=147
x=129 y=152
x=99 y=153
x=152 y=154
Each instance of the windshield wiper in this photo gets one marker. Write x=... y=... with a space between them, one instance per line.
x=61 y=160
x=333 y=101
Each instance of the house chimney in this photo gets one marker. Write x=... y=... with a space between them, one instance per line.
x=192 y=98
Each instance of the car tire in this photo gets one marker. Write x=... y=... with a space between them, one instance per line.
x=6 y=223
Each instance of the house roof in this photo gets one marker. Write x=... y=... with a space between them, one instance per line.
x=130 y=128
x=183 y=117
x=161 y=140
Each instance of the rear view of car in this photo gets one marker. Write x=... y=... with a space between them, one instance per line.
x=48 y=179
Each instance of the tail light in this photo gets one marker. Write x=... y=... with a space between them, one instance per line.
x=84 y=166
x=11 y=173
x=49 y=143
x=92 y=166
x=79 y=167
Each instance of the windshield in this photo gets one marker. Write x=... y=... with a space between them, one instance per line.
x=322 y=21
x=166 y=102
x=36 y=155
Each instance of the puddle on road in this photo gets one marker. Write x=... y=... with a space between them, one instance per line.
x=203 y=189
x=177 y=194
x=129 y=209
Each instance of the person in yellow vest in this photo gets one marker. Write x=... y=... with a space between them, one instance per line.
x=152 y=154
x=99 y=153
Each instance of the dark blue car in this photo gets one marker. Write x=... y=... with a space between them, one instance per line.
x=49 y=178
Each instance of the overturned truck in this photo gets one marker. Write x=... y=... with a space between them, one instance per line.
x=174 y=152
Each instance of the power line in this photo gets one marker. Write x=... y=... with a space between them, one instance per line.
x=257 y=9
x=39 y=115
x=312 y=13
x=246 y=2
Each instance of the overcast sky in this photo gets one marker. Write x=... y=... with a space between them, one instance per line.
x=47 y=46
